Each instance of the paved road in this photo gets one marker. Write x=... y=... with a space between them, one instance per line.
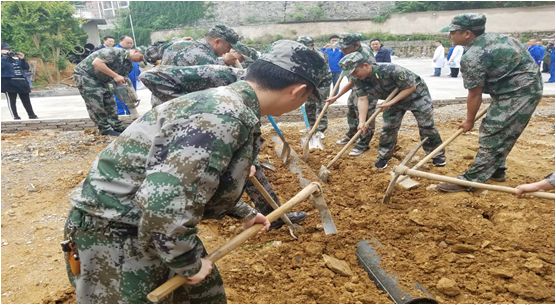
x=73 y=106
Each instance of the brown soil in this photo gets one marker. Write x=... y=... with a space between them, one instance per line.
x=494 y=247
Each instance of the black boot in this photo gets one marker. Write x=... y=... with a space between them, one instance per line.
x=295 y=217
x=499 y=175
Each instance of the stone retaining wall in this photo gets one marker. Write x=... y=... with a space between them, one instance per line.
x=335 y=111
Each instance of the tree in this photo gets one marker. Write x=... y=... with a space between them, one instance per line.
x=149 y=16
x=46 y=30
x=422 y=6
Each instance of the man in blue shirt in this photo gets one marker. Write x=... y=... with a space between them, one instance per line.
x=334 y=54
x=536 y=51
x=126 y=42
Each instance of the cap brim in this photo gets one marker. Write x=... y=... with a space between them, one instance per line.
x=454 y=27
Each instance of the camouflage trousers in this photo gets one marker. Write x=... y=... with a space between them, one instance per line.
x=115 y=270
x=100 y=103
x=353 y=121
x=256 y=197
x=424 y=115
x=504 y=122
x=314 y=107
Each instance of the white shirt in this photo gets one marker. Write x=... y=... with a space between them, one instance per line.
x=438 y=58
x=455 y=58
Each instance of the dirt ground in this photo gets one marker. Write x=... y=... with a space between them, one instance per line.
x=483 y=247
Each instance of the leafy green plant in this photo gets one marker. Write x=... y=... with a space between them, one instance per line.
x=46 y=30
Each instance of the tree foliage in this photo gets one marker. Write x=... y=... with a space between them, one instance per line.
x=422 y=6
x=151 y=16
x=46 y=30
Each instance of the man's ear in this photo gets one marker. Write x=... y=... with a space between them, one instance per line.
x=299 y=90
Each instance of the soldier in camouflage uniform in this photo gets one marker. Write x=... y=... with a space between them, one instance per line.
x=169 y=82
x=314 y=106
x=244 y=54
x=350 y=43
x=501 y=66
x=133 y=219
x=94 y=75
x=373 y=81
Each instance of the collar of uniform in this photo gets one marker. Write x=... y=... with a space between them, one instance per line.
x=376 y=71
x=248 y=95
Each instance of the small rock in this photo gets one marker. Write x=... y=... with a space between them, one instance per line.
x=336 y=265
x=5 y=243
x=442 y=244
x=232 y=227
x=534 y=264
x=276 y=243
x=463 y=248
x=447 y=287
x=80 y=173
x=31 y=188
x=432 y=188
x=485 y=244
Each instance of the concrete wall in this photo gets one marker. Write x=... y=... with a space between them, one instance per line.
x=499 y=20
x=93 y=35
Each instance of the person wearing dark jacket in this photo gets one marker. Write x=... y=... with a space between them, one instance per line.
x=380 y=53
x=14 y=82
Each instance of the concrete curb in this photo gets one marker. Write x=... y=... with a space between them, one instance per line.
x=335 y=111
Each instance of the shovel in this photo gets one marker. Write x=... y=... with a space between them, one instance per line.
x=286 y=150
x=307 y=144
x=172 y=284
x=407 y=183
x=324 y=171
x=315 y=140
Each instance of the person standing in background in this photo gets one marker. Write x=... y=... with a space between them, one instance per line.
x=14 y=82
x=454 y=60
x=536 y=51
x=438 y=58
x=107 y=42
x=126 y=42
x=550 y=50
x=334 y=53
x=380 y=53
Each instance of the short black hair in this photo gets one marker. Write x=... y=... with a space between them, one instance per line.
x=334 y=36
x=108 y=37
x=478 y=32
x=124 y=37
x=271 y=77
x=375 y=39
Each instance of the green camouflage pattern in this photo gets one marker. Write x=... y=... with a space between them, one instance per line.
x=169 y=82
x=382 y=81
x=314 y=104
x=117 y=59
x=351 y=61
x=171 y=49
x=299 y=59
x=249 y=54
x=353 y=121
x=467 y=21
x=348 y=39
x=505 y=70
x=114 y=270
x=225 y=33
x=179 y=163
x=306 y=40
x=500 y=64
x=190 y=53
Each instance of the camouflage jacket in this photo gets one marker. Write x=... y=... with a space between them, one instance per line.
x=168 y=82
x=116 y=59
x=172 y=49
x=191 y=53
x=385 y=78
x=181 y=162
x=499 y=64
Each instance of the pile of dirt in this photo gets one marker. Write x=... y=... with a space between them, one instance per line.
x=482 y=247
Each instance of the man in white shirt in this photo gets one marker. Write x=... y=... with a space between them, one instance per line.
x=454 y=60
x=438 y=58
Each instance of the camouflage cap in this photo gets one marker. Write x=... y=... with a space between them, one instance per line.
x=224 y=32
x=348 y=39
x=246 y=51
x=306 y=40
x=350 y=62
x=299 y=59
x=468 y=21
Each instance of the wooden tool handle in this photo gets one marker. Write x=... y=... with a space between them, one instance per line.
x=172 y=284
x=321 y=114
x=498 y=188
x=367 y=123
x=446 y=142
x=269 y=198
